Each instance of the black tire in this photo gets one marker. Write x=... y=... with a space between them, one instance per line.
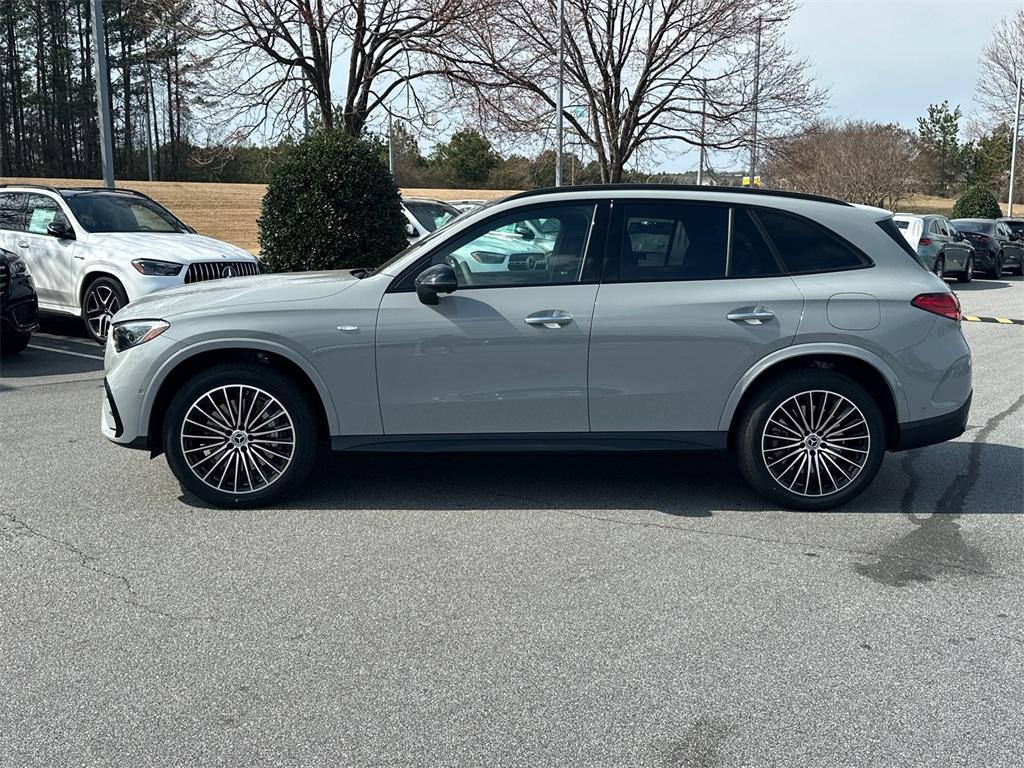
x=277 y=387
x=100 y=301
x=12 y=342
x=997 y=268
x=752 y=439
x=968 y=274
x=940 y=266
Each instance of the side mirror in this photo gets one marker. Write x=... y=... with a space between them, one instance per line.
x=439 y=278
x=60 y=229
x=410 y=230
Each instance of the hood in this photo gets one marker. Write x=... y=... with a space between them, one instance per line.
x=169 y=246
x=233 y=292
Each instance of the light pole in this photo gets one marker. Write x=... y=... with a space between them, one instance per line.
x=757 y=96
x=102 y=97
x=703 y=118
x=1013 y=150
x=558 y=95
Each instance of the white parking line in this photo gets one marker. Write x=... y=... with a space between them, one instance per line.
x=64 y=352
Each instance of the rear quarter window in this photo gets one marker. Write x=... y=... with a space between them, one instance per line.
x=806 y=247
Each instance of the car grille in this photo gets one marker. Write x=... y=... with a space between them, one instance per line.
x=5 y=275
x=216 y=270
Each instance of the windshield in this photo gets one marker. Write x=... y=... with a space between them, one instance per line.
x=431 y=216
x=113 y=212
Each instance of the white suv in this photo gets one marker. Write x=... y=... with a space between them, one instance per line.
x=91 y=251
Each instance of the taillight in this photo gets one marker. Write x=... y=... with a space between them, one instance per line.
x=925 y=241
x=945 y=304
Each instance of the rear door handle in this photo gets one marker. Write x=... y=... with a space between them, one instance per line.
x=23 y=244
x=751 y=315
x=549 y=318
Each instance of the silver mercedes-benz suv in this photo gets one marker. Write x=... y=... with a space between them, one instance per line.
x=799 y=332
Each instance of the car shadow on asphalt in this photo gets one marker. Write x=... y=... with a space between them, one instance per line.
x=982 y=284
x=691 y=484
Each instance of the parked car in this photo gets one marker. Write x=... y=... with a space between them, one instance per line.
x=423 y=216
x=996 y=247
x=19 y=315
x=940 y=247
x=1016 y=226
x=91 y=251
x=799 y=332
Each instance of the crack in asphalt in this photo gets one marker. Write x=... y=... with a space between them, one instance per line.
x=90 y=563
x=799 y=543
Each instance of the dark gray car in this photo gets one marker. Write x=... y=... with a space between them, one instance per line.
x=996 y=248
x=798 y=332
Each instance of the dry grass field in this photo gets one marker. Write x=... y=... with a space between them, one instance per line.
x=229 y=211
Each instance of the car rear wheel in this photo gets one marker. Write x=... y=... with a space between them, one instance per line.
x=811 y=440
x=996 y=271
x=968 y=274
x=240 y=435
x=102 y=299
x=13 y=342
x=940 y=266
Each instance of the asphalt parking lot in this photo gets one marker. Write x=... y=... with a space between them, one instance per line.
x=509 y=610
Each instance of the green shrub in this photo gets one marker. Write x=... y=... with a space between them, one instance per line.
x=331 y=204
x=977 y=203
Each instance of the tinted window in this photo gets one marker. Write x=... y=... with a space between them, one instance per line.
x=807 y=247
x=1017 y=227
x=12 y=211
x=537 y=246
x=751 y=255
x=673 y=242
x=112 y=212
x=974 y=225
x=432 y=216
x=934 y=227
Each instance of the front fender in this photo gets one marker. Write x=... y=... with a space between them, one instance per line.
x=809 y=350
x=258 y=344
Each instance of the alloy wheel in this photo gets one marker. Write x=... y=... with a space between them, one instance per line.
x=238 y=439
x=816 y=443
x=101 y=304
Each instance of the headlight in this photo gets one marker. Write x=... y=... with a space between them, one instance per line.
x=134 y=332
x=156 y=267
x=15 y=263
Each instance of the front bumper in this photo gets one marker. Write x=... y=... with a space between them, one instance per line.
x=916 y=434
x=128 y=376
x=19 y=307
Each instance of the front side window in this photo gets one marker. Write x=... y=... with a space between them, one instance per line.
x=806 y=247
x=113 y=212
x=536 y=247
x=41 y=211
x=673 y=241
x=12 y=211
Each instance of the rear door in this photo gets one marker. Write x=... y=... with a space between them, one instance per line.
x=692 y=296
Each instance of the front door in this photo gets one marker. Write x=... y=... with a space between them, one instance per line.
x=507 y=351
x=691 y=298
x=49 y=258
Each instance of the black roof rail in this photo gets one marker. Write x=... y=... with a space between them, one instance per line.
x=680 y=188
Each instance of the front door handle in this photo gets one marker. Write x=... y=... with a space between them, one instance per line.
x=751 y=315
x=549 y=318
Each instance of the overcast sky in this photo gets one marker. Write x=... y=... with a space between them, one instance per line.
x=887 y=60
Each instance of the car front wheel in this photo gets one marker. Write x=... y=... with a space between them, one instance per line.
x=940 y=266
x=811 y=440
x=968 y=274
x=13 y=342
x=100 y=302
x=240 y=435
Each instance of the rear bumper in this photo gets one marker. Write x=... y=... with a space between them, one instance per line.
x=916 y=434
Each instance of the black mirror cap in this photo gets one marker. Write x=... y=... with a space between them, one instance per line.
x=439 y=278
x=60 y=229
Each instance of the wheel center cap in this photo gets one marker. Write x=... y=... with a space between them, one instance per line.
x=239 y=438
x=812 y=441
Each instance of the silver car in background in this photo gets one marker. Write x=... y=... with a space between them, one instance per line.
x=939 y=245
x=799 y=332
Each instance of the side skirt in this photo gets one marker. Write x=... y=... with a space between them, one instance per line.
x=534 y=441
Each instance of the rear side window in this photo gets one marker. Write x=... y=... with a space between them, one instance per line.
x=807 y=247
x=673 y=241
x=12 y=211
x=751 y=254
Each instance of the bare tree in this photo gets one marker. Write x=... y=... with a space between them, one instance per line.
x=1002 y=63
x=280 y=54
x=646 y=70
x=860 y=162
